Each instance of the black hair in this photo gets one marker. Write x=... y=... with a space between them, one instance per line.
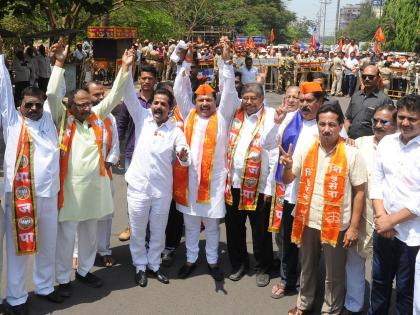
x=238 y=74
x=70 y=96
x=164 y=85
x=409 y=102
x=148 y=68
x=248 y=58
x=87 y=85
x=389 y=107
x=331 y=108
x=33 y=91
x=253 y=87
x=167 y=93
x=318 y=95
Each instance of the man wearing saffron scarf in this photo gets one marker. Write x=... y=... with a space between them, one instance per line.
x=249 y=185
x=330 y=200
x=31 y=169
x=298 y=128
x=199 y=190
x=85 y=193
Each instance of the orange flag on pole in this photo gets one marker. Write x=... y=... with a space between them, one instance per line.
x=251 y=42
x=379 y=35
x=272 y=37
x=340 y=45
x=295 y=43
x=377 y=47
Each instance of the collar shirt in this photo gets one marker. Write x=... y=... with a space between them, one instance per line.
x=356 y=175
x=338 y=64
x=352 y=64
x=44 y=69
x=45 y=141
x=249 y=75
x=360 y=111
x=79 y=55
x=396 y=181
x=151 y=167
x=268 y=158
x=21 y=70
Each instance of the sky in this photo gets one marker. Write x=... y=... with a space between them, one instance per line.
x=310 y=9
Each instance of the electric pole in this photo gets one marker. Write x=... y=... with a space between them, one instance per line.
x=324 y=4
x=337 y=20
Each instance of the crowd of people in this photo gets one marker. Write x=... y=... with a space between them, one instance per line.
x=341 y=185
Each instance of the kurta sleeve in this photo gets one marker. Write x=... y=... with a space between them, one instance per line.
x=229 y=100
x=114 y=152
x=54 y=94
x=9 y=114
x=270 y=138
x=131 y=101
x=183 y=91
x=273 y=157
x=105 y=107
x=378 y=176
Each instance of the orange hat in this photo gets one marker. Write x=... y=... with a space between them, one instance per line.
x=310 y=87
x=204 y=89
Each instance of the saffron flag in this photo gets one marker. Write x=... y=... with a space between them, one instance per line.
x=295 y=44
x=340 y=45
x=313 y=39
x=251 y=42
x=377 y=47
x=379 y=35
x=272 y=36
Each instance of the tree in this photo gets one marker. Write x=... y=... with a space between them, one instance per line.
x=300 y=29
x=401 y=24
x=364 y=27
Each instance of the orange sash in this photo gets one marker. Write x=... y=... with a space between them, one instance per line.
x=24 y=211
x=177 y=118
x=108 y=127
x=252 y=163
x=276 y=211
x=181 y=172
x=334 y=189
x=67 y=131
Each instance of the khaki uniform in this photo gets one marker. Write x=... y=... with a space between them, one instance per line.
x=386 y=73
x=411 y=78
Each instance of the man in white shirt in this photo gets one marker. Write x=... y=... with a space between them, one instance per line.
x=395 y=194
x=351 y=68
x=44 y=69
x=384 y=122
x=249 y=73
x=199 y=192
x=31 y=186
x=249 y=186
x=159 y=144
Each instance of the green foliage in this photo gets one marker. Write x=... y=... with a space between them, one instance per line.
x=364 y=27
x=401 y=24
x=300 y=29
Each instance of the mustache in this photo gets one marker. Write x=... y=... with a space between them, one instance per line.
x=326 y=134
x=306 y=109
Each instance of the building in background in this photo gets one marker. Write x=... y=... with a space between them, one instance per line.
x=348 y=13
x=377 y=7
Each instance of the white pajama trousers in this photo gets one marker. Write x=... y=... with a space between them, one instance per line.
x=416 y=298
x=87 y=246
x=2 y=231
x=192 y=237
x=104 y=235
x=17 y=266
x=141 y=211
x=355 y=279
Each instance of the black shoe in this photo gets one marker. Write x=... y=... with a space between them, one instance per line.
x=168 y=259
x=186 y=270
x=90 y=280
x=65 y=289
x=263 y=279
x=160 y=276
x=141 y=278
x=216 y=272
x=21 y=309
x=55 y=297
x=237 y=274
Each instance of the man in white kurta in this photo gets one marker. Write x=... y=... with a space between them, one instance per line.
x=149 y=178
x=46 y=182
x=208 y=213
x=87 y=194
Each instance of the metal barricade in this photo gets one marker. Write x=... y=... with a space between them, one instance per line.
x=398 y=83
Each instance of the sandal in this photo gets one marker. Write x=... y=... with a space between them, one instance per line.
x=277 y=291
x=108 y=261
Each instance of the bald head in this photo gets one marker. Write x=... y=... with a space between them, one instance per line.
x=370 y=78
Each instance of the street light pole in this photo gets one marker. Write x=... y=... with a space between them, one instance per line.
x=337 y=20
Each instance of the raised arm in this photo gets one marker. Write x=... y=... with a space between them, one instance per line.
x=7 y=106
x=114 y=152
x=132 y=103
x=118 y=88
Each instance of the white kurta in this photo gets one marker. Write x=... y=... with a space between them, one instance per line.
x=228 y=105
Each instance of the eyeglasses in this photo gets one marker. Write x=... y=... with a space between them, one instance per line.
x=86 y=105
x=250 y=98
x=29 y=105
x=382 y=121
x=368 y=76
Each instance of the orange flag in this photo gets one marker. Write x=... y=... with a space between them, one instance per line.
x=295 y=43
x=377 y=47
x=340 y=45
x=379 y=35
x=272 y=36
x=251 y=42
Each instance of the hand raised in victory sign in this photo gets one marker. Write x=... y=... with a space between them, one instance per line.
x=182 y=155
x=286 y=157
x=280 y=113
x=128 y=58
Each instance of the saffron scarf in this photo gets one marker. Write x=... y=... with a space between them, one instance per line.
x=24 y=210
x=334 y=190
x=252 y=163
x=181 y=173
x=290 y=136
x=108 y=128
x=67 y=131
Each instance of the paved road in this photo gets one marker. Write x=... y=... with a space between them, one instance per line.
x=197 y=295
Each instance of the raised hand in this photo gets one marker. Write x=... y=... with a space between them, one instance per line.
x=189 y=57
x=286 y=157
x=128 y=58
x=182 y=155
x=262 y=74
x=280 y=113
x=224 y=41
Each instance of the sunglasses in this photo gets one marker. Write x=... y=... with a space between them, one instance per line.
x=382 y=121
x=29 y=105
x=368 y=76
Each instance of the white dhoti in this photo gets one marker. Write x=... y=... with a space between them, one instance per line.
x=416 y=298
x=86 y=249
x=192 y=237
x=17 y=266
x=141 y=211
x=355 y=280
